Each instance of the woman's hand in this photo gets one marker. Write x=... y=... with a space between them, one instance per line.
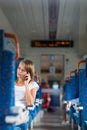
x=27 y=79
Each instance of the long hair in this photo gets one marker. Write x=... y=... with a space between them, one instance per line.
x=29 y=67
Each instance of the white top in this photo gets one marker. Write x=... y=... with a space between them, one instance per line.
x=20 y=94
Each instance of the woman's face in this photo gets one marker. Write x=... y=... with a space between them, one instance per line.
x=21 y=72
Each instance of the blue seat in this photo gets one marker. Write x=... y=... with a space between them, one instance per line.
x=81 y=116
x=83 y=97
x=72 y=92
x=77 y=114
x=7 y=79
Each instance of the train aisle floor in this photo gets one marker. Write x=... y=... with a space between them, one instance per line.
x=52 y=121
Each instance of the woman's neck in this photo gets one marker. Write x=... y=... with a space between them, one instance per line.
x=19 y=82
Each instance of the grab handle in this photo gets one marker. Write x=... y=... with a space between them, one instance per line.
x=81 y=61
x=71 y=72
x=67 y=78
x=13 y=36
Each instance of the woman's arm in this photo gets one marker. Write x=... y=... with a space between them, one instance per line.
x=31 y=88
x=30 y=95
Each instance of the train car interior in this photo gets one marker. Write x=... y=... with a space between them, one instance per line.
x=52 y=34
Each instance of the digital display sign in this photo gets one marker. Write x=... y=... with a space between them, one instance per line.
x=49 y=43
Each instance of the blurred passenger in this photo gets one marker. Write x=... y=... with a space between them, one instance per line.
x=45 y=95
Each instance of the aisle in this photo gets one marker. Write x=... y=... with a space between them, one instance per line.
x=52 y=121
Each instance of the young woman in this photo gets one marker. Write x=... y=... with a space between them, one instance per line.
x=25 y=86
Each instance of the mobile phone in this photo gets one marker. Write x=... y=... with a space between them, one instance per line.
x=26 y=77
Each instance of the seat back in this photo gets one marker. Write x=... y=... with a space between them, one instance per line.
x=72 y=87
x=7 y=79
x=83 y=92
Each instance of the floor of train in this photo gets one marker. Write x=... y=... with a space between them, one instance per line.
x=53 y=120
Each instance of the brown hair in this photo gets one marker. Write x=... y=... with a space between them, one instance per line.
x=29 y=67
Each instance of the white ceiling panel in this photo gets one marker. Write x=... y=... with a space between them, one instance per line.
x=30 y=19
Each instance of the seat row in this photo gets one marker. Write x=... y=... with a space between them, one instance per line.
x=75 y=87
x=9 y=114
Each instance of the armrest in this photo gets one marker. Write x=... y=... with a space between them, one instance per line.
x=80 y=108
x=37 y=100
x=11 y=118
x=19 y=115
x=41 y=100
x=77 y=107
x=16 y=110
x=14 y=116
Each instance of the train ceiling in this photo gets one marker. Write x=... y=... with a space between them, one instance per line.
x=46 y=19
